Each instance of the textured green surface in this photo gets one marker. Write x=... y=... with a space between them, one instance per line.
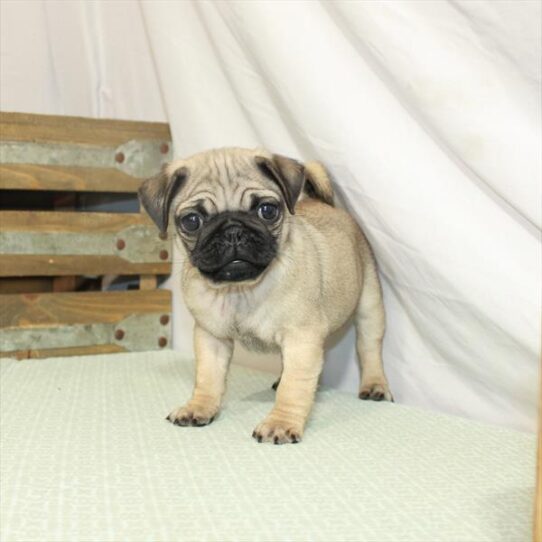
x=87 y=456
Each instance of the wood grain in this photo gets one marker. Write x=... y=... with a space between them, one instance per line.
x=87 y=225
x=148 y=282
x=68 y=283
x=25 y=285
x=49 y=309
x=101 y=244
x=71 y=222
x=68 y=178
x=62 y=129
x=45 y=265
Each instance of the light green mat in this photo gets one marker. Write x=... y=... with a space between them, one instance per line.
x=88 y=456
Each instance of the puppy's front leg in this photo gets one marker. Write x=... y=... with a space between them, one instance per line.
x=302 y=359
x=213 y=357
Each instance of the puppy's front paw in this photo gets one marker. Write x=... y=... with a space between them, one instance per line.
x=376 y=391
x=278 y=431
x=195 y=415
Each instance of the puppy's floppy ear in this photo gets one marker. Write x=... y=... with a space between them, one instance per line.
x=157 y=193
x=288 y=173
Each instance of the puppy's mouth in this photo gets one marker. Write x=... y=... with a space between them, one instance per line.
x=234 y=271
x=233 y=246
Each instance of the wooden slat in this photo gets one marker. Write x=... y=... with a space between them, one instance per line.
x=62 y=129
x=60 y=352
x=148 y=282
x=35 y=310
x=67 y=283
x=71 y=222
x=25 y=285
x=112 y=227
x=19 y=266
x=38 y=325
x=76 y=179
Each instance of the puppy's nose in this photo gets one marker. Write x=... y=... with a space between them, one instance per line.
x=233 y=234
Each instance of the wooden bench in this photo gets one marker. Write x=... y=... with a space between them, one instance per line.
x=45 y=253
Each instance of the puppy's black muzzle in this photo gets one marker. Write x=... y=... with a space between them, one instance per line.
x=232 y=247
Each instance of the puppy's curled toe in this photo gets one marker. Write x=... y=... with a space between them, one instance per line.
x=376 y=392
x=191 y=415
x=278 y=432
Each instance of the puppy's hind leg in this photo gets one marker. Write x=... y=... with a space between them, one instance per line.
x=370 y=325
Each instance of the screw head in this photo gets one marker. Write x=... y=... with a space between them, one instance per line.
x=162 y=341
x=164 y=319
x=121 y=244
x=164 y=254
x=164 y=148
x=119 y=334
x=119 y=157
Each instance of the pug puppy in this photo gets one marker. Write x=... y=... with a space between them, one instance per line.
x=271 y=263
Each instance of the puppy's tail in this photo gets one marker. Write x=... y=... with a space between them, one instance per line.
x=318 y=183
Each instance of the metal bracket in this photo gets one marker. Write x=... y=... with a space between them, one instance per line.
x=140 y=244
x=135 y=333
x=138 y=158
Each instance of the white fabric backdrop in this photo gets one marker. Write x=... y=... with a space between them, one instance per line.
x=85 y=58
x=427 y=113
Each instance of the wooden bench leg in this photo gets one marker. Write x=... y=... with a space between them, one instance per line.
x=65 y=284
x=148 y=282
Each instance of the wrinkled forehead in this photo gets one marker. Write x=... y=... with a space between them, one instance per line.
x=221 y=181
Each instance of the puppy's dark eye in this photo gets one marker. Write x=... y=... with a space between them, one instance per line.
x=268 y=211
x=190 y=222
